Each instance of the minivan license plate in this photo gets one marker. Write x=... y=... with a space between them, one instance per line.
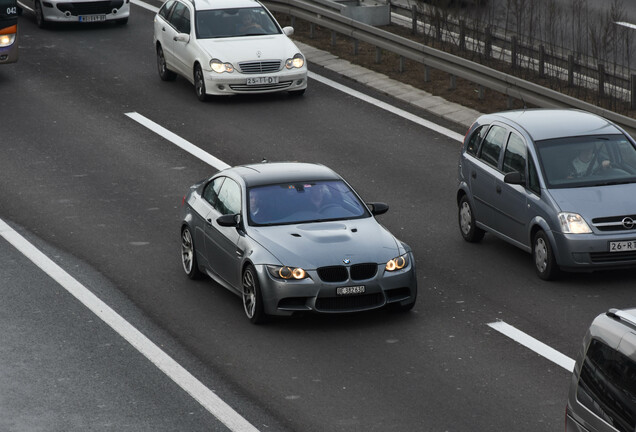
x=92 y=18
x=262 y=80
x=360 y=289
x=622 y=246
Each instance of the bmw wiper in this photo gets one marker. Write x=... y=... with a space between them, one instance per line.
x=615 y=182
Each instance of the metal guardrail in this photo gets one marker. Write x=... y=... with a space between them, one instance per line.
x=474 y=72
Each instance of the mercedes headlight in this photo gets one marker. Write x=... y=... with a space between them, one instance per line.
x=287 y=273
x=297 y=61
x=397 y=263
x=219 y=67
x=573 y=223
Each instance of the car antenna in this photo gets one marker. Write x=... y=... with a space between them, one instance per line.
x=264 y=161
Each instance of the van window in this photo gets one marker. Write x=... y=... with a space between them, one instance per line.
x=493 y=143
x=475 y=139
x=607 y=386
x=515 y=155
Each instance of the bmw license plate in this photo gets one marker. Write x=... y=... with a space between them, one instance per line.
x=262 y=80
x=91 y=18
x=360 y=289
x=622 y=246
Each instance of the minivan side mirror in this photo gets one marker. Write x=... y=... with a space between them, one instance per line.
x=514 y=178
x=288 y=30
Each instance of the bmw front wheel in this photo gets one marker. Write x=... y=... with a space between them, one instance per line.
x=252 y=298
x=544 y=261
x=188 y=255
x=467 y=226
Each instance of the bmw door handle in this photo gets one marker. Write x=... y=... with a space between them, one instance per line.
x=473 y=174
x=498 y=189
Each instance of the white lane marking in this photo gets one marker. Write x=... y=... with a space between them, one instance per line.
x=529 y=342
x=626 y=24
x=145 y=5
x=387 y=107
x=180 y=142
x=184 y=379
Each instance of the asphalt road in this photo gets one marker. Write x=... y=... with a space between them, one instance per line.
x=100 y=194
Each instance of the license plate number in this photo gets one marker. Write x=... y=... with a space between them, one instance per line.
x=622 y=246
x=262 y=80
x=92 y=18
x=360 y=289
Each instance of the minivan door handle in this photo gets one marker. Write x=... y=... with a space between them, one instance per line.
x=498 y=189
x=473 y=174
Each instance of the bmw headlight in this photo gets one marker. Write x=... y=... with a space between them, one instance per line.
x=397 y=263
x=297 y=61
x=573 y=223
x=285 y=272
x=219 y=67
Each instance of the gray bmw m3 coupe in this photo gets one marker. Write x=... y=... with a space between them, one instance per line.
x=294 y=237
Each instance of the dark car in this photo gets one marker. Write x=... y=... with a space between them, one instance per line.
x=294 y=237
x=557 y=183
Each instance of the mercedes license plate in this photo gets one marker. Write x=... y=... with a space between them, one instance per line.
x=360 y=289
x=92 y=18
x=262 y=80
x=622 y=246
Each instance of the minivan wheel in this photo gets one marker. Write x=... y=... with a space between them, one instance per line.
x=544 y=261
x=199 y=84
x=467 y=226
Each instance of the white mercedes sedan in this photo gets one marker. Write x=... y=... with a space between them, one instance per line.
x=227 y=47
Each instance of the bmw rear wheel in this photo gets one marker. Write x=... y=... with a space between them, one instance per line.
x=467 y=226
x=188 y=255
x=544 y=261
x=252 y=298
x=199 y=83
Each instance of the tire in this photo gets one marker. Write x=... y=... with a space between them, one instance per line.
x=543 y=256
x=39 y=15
x=252 y=297
x=162 y=67
x=199 y=84
x=188 y=255
x=467 y=226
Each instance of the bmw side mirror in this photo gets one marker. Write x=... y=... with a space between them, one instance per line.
x=378 y=208
x=231 y=220
x=514 y=178
x=288 y=30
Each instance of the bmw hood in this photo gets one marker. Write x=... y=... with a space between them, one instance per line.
x=321 y=244
x=597 y=201
x=250 y=48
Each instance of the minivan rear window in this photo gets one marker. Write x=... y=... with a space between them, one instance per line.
x=607 y=386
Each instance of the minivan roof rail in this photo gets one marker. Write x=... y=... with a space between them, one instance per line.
x=622 y=315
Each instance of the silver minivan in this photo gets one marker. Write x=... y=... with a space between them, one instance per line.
x=602 y=396
x=560 y=184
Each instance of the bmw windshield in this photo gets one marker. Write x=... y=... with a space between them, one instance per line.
x=585 y=161
x=303 y=202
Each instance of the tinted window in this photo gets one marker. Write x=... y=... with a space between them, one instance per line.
x=211 y=191
x=515 y=155
x=493 y=143
x=303 y=202
x=475 y=139
x=229 y=199
x=533 y=177
x=166 y=8
x=180 y=18
x=607 y=386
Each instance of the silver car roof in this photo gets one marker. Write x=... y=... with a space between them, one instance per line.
x=543 y=124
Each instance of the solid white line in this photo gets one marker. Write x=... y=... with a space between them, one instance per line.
x=529 y=342
x=210 y=401
x=626 y=24
x=177 y=140
x=387 y=107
